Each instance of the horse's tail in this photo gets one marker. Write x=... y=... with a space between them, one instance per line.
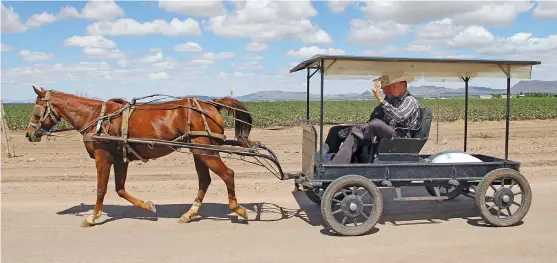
x=243 y=120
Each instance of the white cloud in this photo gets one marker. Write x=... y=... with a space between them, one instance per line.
x=159 y=76
x=253 y=57
x=247 y=66
x=35 y=56
x=255 y=46
x=496 y=14
x=373 y=33
x=472 y=37
x=89 y=41
x=38 y=20
x=131 y=27
x=438 y=30
x=123 y=63
x=264 y=21
x=522 y=44
x=100 y=53
x=68 y=12
x=493 y=13
x=216 y=56
x=546 y=10
x=153 y=58
x=6 y=48
x=101 y=10
x=194 y=8
x=188 y=47
x=307 y=52
x=10 y=21
x=339 y=6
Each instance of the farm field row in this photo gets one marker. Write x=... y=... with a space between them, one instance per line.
x=291 y=113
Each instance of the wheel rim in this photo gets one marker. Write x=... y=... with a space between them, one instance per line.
x=351 y=207
x=500 y=201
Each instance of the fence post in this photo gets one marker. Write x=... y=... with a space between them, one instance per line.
x=9 y=145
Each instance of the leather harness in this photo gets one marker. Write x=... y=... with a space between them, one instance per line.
x=104 y=122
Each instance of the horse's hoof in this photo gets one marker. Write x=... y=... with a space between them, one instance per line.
x=86 y=223
x=150 y=207
x=185 y=219
x=241 y=211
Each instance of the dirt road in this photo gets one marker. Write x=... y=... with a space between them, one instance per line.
x=49 y=188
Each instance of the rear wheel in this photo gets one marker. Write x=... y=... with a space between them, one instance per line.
x=512 y=193
x=351 y=205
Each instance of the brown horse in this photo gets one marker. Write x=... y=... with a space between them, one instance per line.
x=168 y=121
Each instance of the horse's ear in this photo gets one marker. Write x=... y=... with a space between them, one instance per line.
x=40 y=93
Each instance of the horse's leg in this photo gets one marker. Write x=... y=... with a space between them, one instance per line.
x=120 y=175
x=216 y=165
x=204 y=182
x=103 y=162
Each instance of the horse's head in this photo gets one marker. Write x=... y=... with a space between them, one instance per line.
x=44 y=116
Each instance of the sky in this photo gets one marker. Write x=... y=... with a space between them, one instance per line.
x=108 y=49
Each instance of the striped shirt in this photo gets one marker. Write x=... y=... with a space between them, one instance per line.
x=401 y=113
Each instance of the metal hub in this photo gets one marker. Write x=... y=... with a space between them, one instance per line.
x=503 y=197
x=352 y=205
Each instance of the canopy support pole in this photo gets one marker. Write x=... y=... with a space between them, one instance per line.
x=465 y=79
x=322 y=71
x=507 y=118
x=307 y=96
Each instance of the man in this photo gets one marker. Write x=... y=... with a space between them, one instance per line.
x=398 y=109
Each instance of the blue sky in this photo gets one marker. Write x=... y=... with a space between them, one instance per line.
x=131 y=49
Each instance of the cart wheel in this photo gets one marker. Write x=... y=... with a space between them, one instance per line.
x=311 y=195
x=349 y=211
x=513 y=193
x=452 y=191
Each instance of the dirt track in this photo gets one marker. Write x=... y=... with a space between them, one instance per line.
x=49 y=188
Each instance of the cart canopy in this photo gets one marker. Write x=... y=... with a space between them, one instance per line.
x=446 y=69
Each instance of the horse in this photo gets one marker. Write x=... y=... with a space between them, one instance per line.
x=177 y=120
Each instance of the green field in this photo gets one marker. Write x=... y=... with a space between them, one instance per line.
x=266 y=114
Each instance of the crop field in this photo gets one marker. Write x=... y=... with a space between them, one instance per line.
x=291 y=113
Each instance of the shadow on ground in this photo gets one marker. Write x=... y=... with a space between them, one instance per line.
x=396 y=213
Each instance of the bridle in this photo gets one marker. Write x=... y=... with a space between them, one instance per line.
x=44 y=112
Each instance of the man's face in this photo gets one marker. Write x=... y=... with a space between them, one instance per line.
x=394 y=90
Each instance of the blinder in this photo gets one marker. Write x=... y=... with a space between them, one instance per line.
x=44 y=112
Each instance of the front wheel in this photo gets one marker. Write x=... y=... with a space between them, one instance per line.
x=351 y=205
x=513 y=193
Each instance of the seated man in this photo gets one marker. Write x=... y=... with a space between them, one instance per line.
x=398 y=109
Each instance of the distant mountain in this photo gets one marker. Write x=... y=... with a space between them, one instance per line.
x=534 y=86
x=418 y=91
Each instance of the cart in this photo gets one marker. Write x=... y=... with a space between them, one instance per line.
x=349 y=196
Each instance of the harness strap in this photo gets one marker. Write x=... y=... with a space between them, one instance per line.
x=126 y=114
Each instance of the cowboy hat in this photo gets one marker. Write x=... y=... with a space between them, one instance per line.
x=390 y=79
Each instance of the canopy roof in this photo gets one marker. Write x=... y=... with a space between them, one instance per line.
x=343 y=65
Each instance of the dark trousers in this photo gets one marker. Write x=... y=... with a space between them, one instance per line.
x=360 y=132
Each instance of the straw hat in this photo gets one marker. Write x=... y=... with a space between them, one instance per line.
x=390 y=79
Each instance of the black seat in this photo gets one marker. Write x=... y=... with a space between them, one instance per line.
x=399 y=147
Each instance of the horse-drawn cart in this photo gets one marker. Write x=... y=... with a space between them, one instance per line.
x=351 y=203
x=116 y=132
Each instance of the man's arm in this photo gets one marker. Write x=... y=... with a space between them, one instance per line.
x=403 y=111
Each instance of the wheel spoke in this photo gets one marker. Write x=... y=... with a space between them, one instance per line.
x=344 y=220
x=367 y=205
x=513 y=183
x=509 y=211
x=489 y=198
x=517 y=204
x=355 y=222
x=339 y=210
x=498 y=212
x=337 y=201
x=502 y=183
x=493 y=187
x=364 y=194
x=490 y=207
x=519 y=193
x=362 y=213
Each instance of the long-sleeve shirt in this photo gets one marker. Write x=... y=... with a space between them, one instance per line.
x=398 y=112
